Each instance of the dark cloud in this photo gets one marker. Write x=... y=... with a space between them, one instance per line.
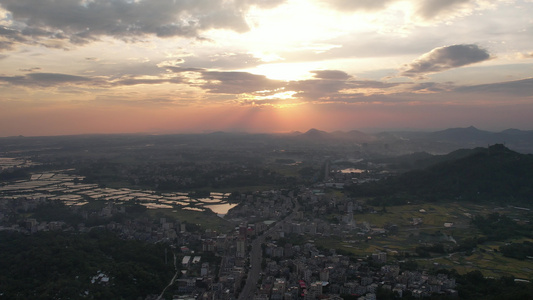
x=40 y=32
x=330 y=82
x=55 y=78
x=9 y=38
x=372 y=84
x=84 y=21
x=330 y=74
x=11 y=34
x=137 y=81
x=327 y=83
x=13 y=79
x=182 y=69
x=431 y=87
x=429 y=9
x=238 y=82
x=522 y=88
x=30 y=69
x=59 y=80
x=445 y=58
x=314 y=89
x=44 y=79
x=423 y=9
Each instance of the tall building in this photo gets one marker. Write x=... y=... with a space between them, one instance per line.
x=241 y=247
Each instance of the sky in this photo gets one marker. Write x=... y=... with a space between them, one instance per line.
x=183 y=66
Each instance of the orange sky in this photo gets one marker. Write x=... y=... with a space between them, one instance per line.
x=94 y=66
x=68 y=120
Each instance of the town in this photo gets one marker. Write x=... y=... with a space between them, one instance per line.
x=287 y=271
x=309 y=237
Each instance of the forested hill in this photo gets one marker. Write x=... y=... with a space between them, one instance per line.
x=495 y=173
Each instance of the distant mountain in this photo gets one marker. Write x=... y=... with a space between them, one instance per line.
x=465 y=135
x=455 y=138
x=338 y=136
x=394 y=143
x=495 y=173
x=384 y=144
x=431 y=160
x=314 y=133
x=294 y=133
x=513 y=131
x=515 y=136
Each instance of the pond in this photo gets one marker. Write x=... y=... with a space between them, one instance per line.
x=221 y=209
x=352 y=170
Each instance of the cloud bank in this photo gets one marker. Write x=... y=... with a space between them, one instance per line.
x=523 y=88
x=44 y=79
x=425 y=10
x=81 y=22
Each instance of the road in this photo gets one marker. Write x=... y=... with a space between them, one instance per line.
x=256 y=255
x=173 y=278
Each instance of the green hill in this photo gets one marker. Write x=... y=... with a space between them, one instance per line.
x=494 y=174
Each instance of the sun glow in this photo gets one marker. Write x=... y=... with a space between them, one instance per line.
x=282 y=96
x=279 y=100
x=286 y=71
x=275 y=98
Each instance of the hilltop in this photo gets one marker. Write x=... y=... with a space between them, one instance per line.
x=495 y=173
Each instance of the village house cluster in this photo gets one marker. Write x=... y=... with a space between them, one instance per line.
x=216 y=265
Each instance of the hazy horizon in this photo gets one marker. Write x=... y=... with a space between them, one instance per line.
x=369 y=131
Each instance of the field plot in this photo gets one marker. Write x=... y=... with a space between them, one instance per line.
x=423 y=225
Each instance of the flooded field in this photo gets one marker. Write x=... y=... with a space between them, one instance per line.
x=67 y=189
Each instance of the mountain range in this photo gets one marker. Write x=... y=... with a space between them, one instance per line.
x=387 y=143
x=437 y=142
